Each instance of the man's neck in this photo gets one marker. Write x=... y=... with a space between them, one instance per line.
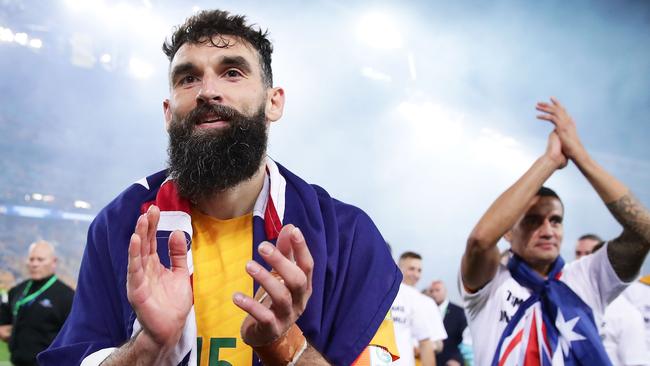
x=236 y=201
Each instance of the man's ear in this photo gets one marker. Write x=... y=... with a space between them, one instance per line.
x=167 y=111
x=274 y=104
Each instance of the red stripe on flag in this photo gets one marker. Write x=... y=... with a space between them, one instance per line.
x=272 y=223
x=515 y=341
x=532 y=357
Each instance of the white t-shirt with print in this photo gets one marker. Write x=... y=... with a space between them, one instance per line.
x=488 y=310
x=437 y=327
x=624 y=334
x=411 y=321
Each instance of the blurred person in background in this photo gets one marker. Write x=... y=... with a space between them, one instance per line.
x=418 y=325
x=36 y=308
x=586 y=244
x=455 y=322
x=536 y=296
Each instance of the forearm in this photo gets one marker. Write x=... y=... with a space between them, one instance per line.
x=628 y=251
x=512 y=203
x=139 y=351
x=426 y=353
x=312 y=357
x=481 y=254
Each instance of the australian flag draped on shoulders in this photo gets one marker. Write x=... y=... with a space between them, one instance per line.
x=552 y=327
x=354 y=282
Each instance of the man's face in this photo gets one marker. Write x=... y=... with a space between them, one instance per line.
x=585 y=247
x=537 y=235
x=438 y=292
x=225 y=71
x=217 y=115
x=411 y=270
x=41 y=262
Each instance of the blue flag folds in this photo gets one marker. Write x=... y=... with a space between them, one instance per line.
x=552 y=327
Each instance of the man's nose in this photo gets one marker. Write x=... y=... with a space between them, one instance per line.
x=210 y=91
x=546 y=230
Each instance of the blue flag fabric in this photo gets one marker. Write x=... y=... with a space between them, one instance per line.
x=552 y=327
x=354 y=282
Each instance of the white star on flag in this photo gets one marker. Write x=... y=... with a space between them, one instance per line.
x=567 y=335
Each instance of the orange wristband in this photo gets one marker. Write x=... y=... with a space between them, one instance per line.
x=284 y=351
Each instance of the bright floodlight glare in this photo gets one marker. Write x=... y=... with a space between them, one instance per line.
x=379 y=30
x=21 y=38
x=140 y=69
x=105 y=58
x=6 y=35
x=37 y=196
x=81 y=204
x=35 y=43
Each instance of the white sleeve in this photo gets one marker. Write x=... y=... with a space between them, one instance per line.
x=436 y=326
x=592 y=277
x=421 y=329
x=474 y=302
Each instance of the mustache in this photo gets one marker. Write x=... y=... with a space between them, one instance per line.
x=222 y=112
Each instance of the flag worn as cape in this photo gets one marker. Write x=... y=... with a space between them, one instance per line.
x=354 y=282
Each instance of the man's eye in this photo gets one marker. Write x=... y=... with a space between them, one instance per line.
x=188 y=80
x=233 y=73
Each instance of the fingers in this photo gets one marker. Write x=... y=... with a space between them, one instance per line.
x=294 y=278
x=303 y=257
x=135 y=273
x=141 y=228
x=284 y=242
x=263 y=315
x=178 y=252
x=281 y=297
x=153 y=216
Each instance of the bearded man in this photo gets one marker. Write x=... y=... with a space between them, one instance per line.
x=223 y=223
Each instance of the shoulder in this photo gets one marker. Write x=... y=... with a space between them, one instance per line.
x=63 y=287
x=19 y=287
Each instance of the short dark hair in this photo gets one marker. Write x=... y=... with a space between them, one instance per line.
x=598 y=246
x=591 y=237
x=203 y=26
x=547 y=192
x=407 y=255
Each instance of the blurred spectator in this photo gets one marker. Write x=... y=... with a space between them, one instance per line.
x=415 y=316
x=453 y=317
x=586 y=244
x=36 y=308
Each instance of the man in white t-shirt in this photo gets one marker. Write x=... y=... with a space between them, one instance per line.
x=639 y=295
x=535 y=309
x=415 y=316
x=624 y=334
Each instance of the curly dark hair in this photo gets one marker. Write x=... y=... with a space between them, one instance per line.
x=203 y=26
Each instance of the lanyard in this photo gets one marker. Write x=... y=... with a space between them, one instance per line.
x=23 y=300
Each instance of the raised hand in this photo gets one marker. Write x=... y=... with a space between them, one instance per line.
x=554 y=150
x=565 y=127
x=288 y=288
x=161 y=297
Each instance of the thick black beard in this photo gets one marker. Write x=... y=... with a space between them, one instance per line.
x=205 y=162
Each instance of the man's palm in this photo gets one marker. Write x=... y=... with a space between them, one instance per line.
x=161 y=297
